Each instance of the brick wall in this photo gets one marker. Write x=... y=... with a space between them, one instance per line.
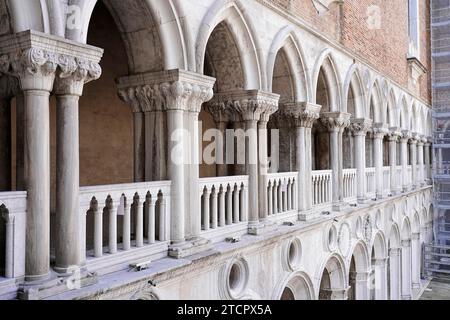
x=385 y=48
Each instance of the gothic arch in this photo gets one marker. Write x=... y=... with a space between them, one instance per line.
x=392 y=111
x=232 y=14
x=333 y=268
x=406 y=229
x=287 y=41
x=379 y=245
x=354 y=88
x=375 y=102
x=325 y=62
x=299 y=285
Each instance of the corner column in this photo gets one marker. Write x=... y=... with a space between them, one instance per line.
x=336 y=122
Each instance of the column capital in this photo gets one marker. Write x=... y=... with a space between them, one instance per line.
x=168 y=90
x=36 y=58
x=413 y=138
x=336 y=121
x=380 y=261
x=405 y=136
x=379 y=130
x=304 y=114
x=250 y=105
x=406 y=243
x=394 y=134
x=393 y=252
x=360 y=127
x=219 y=111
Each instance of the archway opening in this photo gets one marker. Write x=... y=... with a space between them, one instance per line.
x=333 y=283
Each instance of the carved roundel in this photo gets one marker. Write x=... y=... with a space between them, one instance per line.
x=331 y=238
x=367 y=229
x=344 y=239
x=234 y=279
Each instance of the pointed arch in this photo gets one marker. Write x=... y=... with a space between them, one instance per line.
x=379 y=247
x=325 y=63
x=406 y=229
x=394 y=237
x=404 y=112
x=360 y=253
x=375 y=102
x=334 y=267
x=287 y=41
x=392 y=111
x=354 y=88
x=232 y=13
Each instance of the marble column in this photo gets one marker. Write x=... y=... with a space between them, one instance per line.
x=406 y=270
x=360 y=127
x=129 y=96
x=336 y=122
x=394 y=273
x=68 y=89
x=378 y=135
x=380 y=267
x=20 y=142
x=415 y=263
x=393 y=136
x=404 y=159
x=8 y=88
x=420 y=160
x=427 y=147
x=413 y=155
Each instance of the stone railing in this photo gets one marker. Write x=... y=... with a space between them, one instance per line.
x=350 y=191
x=322 y=187
x=224 y=206
x=12 y=238
x=123 y=222
x=282 y=193
x=387 y=180
x=370 y=182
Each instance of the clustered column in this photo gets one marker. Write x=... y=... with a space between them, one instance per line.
x=336 y=122
x=360 y=127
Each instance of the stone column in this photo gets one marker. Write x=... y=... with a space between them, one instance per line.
x=380 y=267
x=336 y=122
x=221 y=118
x=427 y=170
x=413 y=155
x=20 y=142
x=415 y=263
x=378 y=135
x=74 y=73
x=406 y=270
x=8 y=88
x=35 y=68
x=129 y=96
x=360 y=127
x=394 y=273
x=254 y=106
x=393 y=139
x=404 y=159
x=420 y=160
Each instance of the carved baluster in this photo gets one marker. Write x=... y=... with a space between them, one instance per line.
x=229 y=205
x=151 y=229
x=222 y=207
x=98 y=228
x=126 y=226
x=139 y=214
x=112 y=227
x=236 y=204
x=214 y=208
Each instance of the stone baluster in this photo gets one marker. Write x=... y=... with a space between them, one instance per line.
x=236 y=213
x=9 y=220
x=151 y=228
x=222 y=193
x=206 y=217
x=112 y=227
x=98 y=229
x=336 y=122
x=359 y=128
x=229 y=205
x=214 y=211
x=139 y=224
x=270 y=198
x=126 y=225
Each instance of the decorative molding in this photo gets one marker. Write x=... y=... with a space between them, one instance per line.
x=360 y=127
x=335 y=121
x=303 y=114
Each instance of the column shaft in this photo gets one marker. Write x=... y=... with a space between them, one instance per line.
x=139 y=147
x=301 y=168
x=378 y=152
x=263 y=168
x=251 y=160
x=5 y=144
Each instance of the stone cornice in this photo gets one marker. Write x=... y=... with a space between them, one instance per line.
x=360 y=126
x=167 y=90
x=335 y=121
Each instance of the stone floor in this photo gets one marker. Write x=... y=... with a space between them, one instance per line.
x=437 y=290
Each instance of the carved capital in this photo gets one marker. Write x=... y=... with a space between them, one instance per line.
x=379 y=131
x=405 y=136
x=413 y=138
x=168 y=90
x=394 y=134
x=335 y=121
x=360 y=127
x=303 y=114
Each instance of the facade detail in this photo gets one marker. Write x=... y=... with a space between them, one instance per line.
x=213 y=149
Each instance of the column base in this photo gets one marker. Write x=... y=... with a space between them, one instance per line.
x=261 y=228
x=56 y=285
x=340 y=206
x=38 y=278
x=364 y=200
x=407 y=297
x=307 y=215
x=189 y=248
x=396 y=192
